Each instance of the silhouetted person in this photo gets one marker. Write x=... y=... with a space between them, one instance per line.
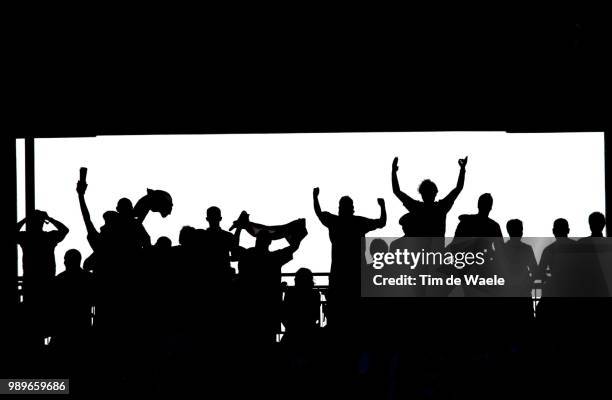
x=517 y=265
x=602 y=246
x=130 y=227
x=346 y=233
x=260 y=284
x=163 y=242
x=429 y=215
x=160 y=283
x=560 y=254
x=116 y=322
x=479 y=225
x=38 y=269
x=597 y=223
x=571 y=322
x=72 y=302
x=595 y=252
x=377 y=246
x=125 y=207
x=301 y=311
x=39 y=252
x=519 y=262
x=219 y=245
x=479 y=233
x=187 y=284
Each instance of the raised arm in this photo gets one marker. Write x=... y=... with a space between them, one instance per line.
x=62 y=230
x=317 y=206
x=81 y=188
x=452 y=196
x=406 y=200
x=383 y=213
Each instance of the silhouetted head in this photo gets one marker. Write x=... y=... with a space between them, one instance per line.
x=125 y=207
x=561 y=228
x=515 y=228
x=597 y=222
x=263 y=240
x=345 y=206
x=36 y=220
x=163 y=242
x=428 y=191
x=187 y=236
x=407 y=223
x=378 y=246
x=110 y=220
x=485 y=204
x=72 y=260
x=213 y=216
x=304 y=279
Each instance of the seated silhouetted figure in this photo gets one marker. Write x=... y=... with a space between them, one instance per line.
x=259 y=272
x=518 y=261
x=72 y=303
x=346 y=233
x=429 y=215
x=300 y=311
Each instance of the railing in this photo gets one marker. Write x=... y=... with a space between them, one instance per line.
x=536 y=293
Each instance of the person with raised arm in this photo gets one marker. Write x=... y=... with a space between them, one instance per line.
x=259 y=275
x=346 y=233
x=38 y=254
x=38 y=245
x=429 y=214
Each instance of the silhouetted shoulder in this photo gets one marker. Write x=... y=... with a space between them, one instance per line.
x=364 y=224
x=495 y=228
x=282 y=256
x=328 y=218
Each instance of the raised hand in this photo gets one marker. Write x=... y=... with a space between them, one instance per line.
x=315 y=191
x=81 y=187
x=463 y=162
x=381 y=202
x=395 y=167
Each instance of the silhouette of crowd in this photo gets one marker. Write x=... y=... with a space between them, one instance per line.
x=145 y=312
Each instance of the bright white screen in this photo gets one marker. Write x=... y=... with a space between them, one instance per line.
x=536 y=177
